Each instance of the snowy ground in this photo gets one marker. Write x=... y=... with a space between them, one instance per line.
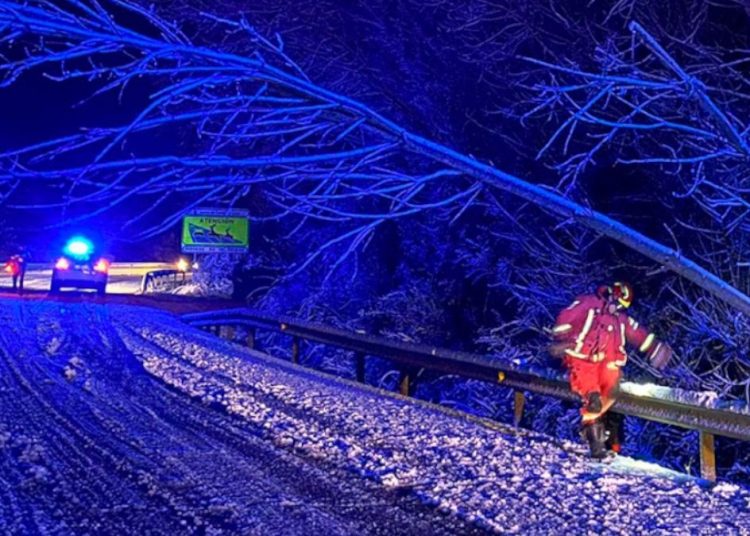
x=116 y=419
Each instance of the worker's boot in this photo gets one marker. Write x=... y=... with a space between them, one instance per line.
x=594 y=434
x=615 y=431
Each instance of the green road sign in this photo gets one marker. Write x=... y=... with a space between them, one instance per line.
x=215 y=231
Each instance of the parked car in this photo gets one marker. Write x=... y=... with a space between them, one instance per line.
x=78 y=267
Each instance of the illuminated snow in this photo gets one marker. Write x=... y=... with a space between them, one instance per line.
x=121 y=419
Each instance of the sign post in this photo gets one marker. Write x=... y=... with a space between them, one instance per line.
x=215 y=231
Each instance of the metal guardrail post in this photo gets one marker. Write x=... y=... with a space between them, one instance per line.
x=708 y=456
x=404 y=384
x=359 y=363
x=295 y=350
x=251 y=338
x=519 y=401
x=229 y=332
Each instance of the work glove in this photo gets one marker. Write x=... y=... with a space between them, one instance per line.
x=661 y=356
x=557 y=349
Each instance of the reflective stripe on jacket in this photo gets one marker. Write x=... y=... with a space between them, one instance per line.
x=594 y=334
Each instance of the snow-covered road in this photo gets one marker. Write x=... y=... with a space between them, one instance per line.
x=118 y=419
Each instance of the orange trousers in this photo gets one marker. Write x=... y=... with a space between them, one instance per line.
x=588 y=377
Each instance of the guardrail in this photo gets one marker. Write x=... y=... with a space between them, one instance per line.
x=709 y=422
x=164 y=280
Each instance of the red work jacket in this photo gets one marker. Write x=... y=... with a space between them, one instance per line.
x=593 y=333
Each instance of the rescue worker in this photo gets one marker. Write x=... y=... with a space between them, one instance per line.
x=590 y=335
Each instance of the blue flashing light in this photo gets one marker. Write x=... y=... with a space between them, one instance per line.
x=79 y=247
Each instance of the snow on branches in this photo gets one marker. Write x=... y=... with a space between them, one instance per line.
x=685 y=118
x=252 y=120
x=243 y=122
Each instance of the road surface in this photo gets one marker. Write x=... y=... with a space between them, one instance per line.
x=119 y=419
x=90 y=442
x=124 y=278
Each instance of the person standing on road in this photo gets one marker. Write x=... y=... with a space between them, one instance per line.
x=590 y=335
x=17 y=268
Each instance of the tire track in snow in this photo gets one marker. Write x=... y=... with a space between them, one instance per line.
x=120 y=452
x=86 y=482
